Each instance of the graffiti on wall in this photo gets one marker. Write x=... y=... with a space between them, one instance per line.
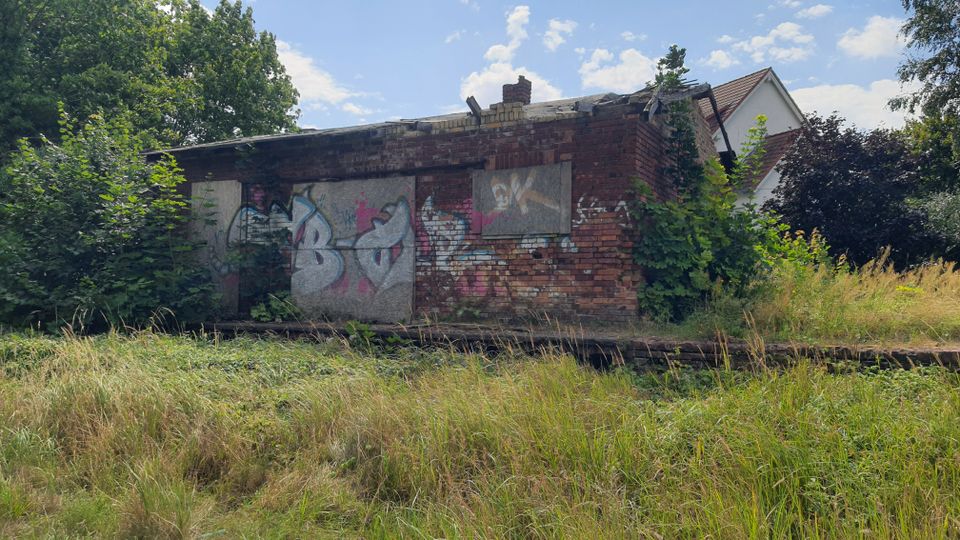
x=473 y=272
x=383 y=252
x=527 y=200
x=261 y=219
x=353 y=251
x=349 y=245
x=591 y=209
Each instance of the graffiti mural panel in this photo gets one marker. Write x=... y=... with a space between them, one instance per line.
x=527 y=200
x=354 y=248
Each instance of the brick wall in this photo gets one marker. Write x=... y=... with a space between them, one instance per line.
x=588 y=274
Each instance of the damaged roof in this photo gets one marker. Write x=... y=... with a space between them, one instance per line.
x=546 y=111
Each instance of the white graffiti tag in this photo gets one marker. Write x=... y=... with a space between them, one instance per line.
x=445 y=231
x=588 y=210
x=381 y=252
x=316 y=264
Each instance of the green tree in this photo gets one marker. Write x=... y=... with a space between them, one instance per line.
x=238 y=85
x=933 y=38
x=853 y=186
x=933 y=34
x=177 y=73
x=93 y=234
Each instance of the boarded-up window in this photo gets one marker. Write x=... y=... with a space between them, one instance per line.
x=527 y=200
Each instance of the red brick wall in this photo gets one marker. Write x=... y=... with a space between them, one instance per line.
x=588 y=274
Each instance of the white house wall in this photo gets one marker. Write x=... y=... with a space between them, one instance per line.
x=766 y=100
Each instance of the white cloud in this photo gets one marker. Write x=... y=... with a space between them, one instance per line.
x=556 y=30
x=791 y=3
x=814 y=12
x=789 y=54
x=317 y=87
x=630 y=36
x=865 y=107
x=724 y=39
x=487 y=84
x=454 y=36
x=631 y=73
x=786 y=42
x=471 y=4
x=358 y=110
x=580 y=50
x=719 y=59
x=880 y=38
x=517 y=32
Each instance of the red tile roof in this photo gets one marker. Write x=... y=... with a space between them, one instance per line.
x=729 y=96
x=776 y=146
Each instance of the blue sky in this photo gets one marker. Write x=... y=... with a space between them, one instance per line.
x=367 y=61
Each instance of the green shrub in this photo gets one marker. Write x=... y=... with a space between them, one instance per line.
x=278 y=307
x=93 y=235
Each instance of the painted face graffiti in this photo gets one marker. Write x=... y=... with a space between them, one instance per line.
x=519 y=193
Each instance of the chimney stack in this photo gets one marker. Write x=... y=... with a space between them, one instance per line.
x=519 y=92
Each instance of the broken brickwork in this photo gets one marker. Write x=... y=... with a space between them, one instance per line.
x=575 y=266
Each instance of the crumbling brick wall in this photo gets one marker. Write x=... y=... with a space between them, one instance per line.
x=586 y=274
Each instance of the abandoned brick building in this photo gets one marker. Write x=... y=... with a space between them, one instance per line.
x=512 y=211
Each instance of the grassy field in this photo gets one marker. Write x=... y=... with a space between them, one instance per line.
x=180 y=437
x=820 y=304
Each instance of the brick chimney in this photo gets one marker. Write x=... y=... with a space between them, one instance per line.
x=519 y=92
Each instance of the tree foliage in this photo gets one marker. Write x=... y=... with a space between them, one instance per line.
x=853 y=186
x=93 y=234
x=933 y=37
x=178 y=73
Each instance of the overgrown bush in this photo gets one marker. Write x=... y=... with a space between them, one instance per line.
x=701 y=242
x=93 y=234
x=852 y=186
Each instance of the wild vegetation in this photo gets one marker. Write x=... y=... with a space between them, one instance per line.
x=174 y=70
x=856 y=244
x=92 y=234
x=825 y=303
x=172 y=437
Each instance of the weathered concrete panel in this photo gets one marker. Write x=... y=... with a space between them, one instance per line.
x=354 y=249
x=527 y=200
x=214 y=207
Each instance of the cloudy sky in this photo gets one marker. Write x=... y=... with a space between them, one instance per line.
x=359 y=62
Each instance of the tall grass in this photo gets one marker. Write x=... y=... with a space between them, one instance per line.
x=173 y=437
x=874 y=303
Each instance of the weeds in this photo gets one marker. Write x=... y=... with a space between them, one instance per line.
x=873 y=303
x=176 y=437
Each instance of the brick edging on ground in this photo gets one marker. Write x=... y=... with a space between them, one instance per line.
x=603 y=349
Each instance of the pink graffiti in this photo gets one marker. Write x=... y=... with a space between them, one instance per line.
x=479 y=284
x=365 y=286
x=479 y=219
x=365 y=215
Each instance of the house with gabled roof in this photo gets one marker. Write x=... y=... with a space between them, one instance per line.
x=739 y=102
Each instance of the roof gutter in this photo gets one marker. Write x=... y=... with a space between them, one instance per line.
x=719 y=117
